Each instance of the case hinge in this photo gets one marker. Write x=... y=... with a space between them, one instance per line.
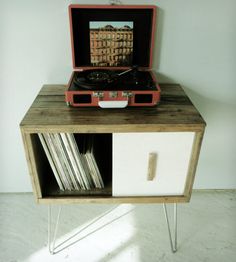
x=115 y=2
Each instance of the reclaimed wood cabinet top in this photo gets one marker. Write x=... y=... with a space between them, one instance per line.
x=49 y=113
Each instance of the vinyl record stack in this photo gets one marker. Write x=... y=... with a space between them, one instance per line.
x=74 y=169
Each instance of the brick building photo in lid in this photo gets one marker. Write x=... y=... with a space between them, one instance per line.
x=111 y=43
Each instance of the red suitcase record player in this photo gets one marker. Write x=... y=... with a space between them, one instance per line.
x=112 y=47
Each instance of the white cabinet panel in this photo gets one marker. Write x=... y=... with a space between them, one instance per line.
x=131 y=157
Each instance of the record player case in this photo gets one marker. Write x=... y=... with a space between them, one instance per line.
x=112 y=52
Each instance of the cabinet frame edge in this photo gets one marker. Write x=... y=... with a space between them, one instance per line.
x=197 y=142
x=30 y=158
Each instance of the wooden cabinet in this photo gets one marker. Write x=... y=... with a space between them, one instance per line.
x=164 y=140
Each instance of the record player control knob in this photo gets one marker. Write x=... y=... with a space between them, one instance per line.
x=113 y=94
x=126 y=94
x=98 y=94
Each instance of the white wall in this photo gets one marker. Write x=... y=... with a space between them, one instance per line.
x=195 y=46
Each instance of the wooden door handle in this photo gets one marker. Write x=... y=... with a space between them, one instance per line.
x=152 y=163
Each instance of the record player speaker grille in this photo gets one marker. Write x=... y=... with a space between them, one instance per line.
x=82 y=99
x=143 y=98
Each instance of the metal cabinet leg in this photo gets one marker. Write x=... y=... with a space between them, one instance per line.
x=54 y=247
x=173 y=243
x=51 y=243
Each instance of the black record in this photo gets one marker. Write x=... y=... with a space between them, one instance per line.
x=94 y=79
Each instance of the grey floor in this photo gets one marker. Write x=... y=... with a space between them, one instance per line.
x=206 y=231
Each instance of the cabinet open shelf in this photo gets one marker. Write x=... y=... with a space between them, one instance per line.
x=124 y=139
x=53 y=191
x=102 y=144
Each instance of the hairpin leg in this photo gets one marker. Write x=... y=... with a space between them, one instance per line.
x=173 y=244
x=51 y=243
x=52 y=237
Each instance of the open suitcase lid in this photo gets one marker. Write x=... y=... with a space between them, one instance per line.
x=112 y=36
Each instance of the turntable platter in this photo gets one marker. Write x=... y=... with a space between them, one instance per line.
x=98 y=76
x=94 y=79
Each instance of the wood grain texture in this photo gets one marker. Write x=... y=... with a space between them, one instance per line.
x=31 y=162
x=152 y=162
x=112 y=200
x=193 y=163
x=49 y=112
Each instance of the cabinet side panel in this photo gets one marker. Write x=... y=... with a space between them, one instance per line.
x=30 y=158
x=193 y=163
x=131 y=152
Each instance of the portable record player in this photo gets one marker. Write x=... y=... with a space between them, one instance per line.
x=112 y=47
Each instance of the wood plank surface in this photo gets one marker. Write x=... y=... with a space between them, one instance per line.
x=49 y=112
x=112 y=200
